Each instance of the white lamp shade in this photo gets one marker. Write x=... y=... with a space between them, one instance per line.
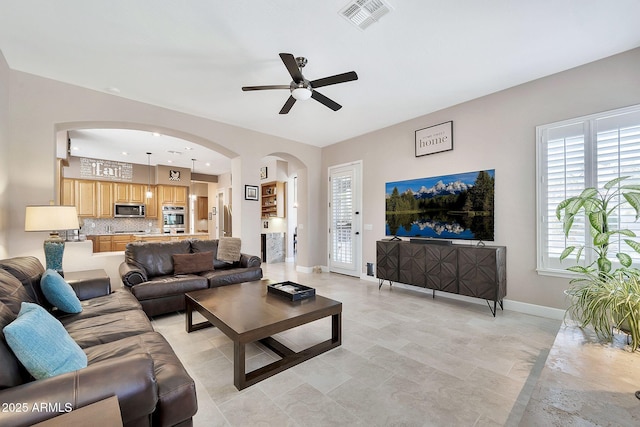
x=50 y=218
x=301 y=93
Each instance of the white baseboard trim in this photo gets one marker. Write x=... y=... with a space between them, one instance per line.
x=302 y=269
x=534 y=310
x=520 y=307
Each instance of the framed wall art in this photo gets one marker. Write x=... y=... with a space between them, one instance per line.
x=263 y=172
x=251 y=192
x=434 y=139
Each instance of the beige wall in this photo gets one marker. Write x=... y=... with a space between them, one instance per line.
x=41 y=107
x=493 y=132
x=4 y=155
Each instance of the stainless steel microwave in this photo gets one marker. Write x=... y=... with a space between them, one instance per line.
x=128 y=210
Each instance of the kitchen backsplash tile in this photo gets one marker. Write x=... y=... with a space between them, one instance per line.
x=91 y=226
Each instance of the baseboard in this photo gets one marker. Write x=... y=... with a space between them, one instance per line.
x=535 y=310
x=520 y=307
x=303 y=269
x=314 y=269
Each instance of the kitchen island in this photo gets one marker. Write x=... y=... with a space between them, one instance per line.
x=117 y=241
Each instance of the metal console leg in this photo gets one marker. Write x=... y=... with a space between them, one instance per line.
x=381 y=282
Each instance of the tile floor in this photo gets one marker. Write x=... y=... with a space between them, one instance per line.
x=406 y=360
x=586 y=382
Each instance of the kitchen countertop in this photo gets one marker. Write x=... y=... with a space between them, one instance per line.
x=143 y=234
x=168 y=234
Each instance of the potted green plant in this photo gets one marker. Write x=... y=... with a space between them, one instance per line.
x=599 y=207
x=601 y=297
x=606 y=301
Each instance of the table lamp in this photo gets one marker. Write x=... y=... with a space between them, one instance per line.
x=52 y=218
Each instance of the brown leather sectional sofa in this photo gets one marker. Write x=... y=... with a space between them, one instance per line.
x=148 y=272
x=126 y=358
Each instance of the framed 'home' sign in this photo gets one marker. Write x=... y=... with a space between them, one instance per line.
x=434 y=139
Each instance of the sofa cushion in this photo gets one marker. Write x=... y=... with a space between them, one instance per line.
x=12 y=372
x=168 y=285
x=29 y=270
x=59 y=293
x=229 y=249
x=176 y=389
x=155 y=258
x=230 y=276
x=192 y=263
x=116 y=302
x=209 y=246
x=42 y=344
x=106 y=328
x=12 y=293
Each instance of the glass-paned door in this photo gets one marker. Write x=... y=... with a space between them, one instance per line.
x=344 y=216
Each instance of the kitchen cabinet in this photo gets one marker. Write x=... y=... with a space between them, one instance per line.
x=137 y=193
x=104 y=243
x=272 y=200
x=120 y=192
x=95 y=199
x=104 y=199
x=202 y=208
x=180 y=196
x=165 y=194
x=172 y=195
x=85 y=198
x=129 y=193
x=110 y=242
x=68 y=192
x=119 y=241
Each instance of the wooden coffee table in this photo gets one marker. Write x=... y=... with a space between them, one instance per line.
x=247 y=313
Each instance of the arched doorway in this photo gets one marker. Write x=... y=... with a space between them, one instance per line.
x=279 y=224
x=196 y=161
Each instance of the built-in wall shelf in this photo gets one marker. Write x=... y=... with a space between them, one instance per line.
x=273 y=200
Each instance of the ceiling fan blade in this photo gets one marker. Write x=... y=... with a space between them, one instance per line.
x=287 y=105
x=326 y=101
x=246 y=88
x=292 y=67
x=338 y=78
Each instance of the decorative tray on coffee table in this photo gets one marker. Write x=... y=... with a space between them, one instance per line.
x=291 y=290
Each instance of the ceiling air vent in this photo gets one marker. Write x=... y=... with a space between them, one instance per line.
x=363 y=13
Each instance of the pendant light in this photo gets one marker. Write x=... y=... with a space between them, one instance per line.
x=149 y=192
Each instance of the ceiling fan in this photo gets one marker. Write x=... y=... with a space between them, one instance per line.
x=303 y=89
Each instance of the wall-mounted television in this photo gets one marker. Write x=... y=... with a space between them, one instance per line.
x=457 y=206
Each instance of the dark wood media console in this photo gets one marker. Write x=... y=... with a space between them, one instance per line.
x=475 y=271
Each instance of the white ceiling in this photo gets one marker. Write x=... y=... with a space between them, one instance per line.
x=194 y=56
x=131 y=146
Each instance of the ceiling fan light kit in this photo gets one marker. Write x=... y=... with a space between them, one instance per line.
x=302 y=89
x=301 y=93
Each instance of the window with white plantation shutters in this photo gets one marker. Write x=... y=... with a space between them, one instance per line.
x=575 y=154
x=342 y=218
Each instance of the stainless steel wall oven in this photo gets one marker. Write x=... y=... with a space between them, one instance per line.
x=174 y=219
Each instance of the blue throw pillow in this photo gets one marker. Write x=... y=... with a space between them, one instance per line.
x=41 y=343
x=59 y=293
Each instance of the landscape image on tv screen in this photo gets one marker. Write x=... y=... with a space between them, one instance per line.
x=457 y=206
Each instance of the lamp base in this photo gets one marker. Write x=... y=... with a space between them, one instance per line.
x=53 y=251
